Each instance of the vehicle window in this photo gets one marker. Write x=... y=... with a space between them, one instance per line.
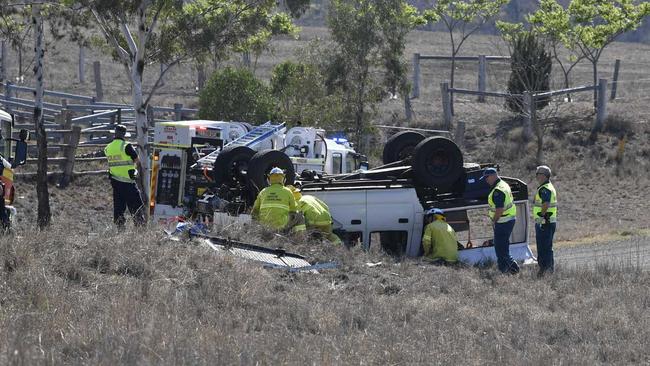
x=391 y=242
x=349 y=164
x=337 y=163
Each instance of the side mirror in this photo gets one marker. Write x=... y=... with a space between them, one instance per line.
x=20 y=157
x=304 y=149
x=364 y=165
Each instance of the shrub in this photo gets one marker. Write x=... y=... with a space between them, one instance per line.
x=531 y=70
x=236 y=95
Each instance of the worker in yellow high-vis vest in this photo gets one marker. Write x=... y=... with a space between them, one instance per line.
x=503 y=213
x=316 y=217
x=122 y=169
x=439 y=240
x=275 y=206
x=545 y=215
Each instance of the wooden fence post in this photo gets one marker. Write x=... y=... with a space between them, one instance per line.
x=529 y=107
x=246 y=59
x=99 y=92
x=200 y=83
x=82 y=64
x=178 y=113
x=617 y=66
x=459 y=136
x=481 y=77
x=8 y=94
x=150 y=116
x=416 y=75
x=162 y=78
x=446 y=104
x=5 y=128
x=69 y=152
x=3 y=61
x=408 y=112
x=601 y=110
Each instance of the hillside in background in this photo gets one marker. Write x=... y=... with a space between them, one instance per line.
x=515 y=11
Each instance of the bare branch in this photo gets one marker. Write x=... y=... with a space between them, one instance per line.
x=124 y=55
x=156 y=85
x=129 y=37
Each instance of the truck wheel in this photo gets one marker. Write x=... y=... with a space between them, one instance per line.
x=249 y=127
x=263 y=162
x=437 y=162
x=231 y=165
x=400 y=146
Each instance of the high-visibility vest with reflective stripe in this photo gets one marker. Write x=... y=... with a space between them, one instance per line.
x=509 y=208
x=119 y=162
x=273 y=205
x=552 y=205
x=315 y=211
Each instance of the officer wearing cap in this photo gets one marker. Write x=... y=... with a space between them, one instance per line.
x=439 y=240
x=503 y=214
x=275 y=206
x=122 y=169
x=545 y=215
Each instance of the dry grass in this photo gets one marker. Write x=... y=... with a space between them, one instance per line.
x=80 y=293
x=96 y=297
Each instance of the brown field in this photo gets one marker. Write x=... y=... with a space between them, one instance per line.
x=80 y=293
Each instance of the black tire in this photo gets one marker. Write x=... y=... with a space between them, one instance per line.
x=437 y=162
x=249 y=127
x=400 y=146
x=231 y=165
x=263 y=162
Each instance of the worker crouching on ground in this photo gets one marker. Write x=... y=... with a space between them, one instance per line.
x=316 y=217
x=439 y=240
x=122 y=168
x=503 y=213
x=275 y=206
x=545 y=215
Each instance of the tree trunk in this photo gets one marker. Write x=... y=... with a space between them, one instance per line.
x=42 y=193
x=451 y=82
x=594 y=64
x=20 y=62
x=566 y=85
x=142 y=127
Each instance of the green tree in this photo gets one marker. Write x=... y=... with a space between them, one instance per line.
x=589 y=26
x=462 y=18
x=236 y=95
x=531 y=68
x=368 y=35
x=169 y=32
x=302 y=97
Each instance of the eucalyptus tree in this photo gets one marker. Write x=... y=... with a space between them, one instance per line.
x=169 y=32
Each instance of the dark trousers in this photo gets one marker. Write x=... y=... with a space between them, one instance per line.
x=4 y=215
x=544 y=236
x=502 y=233
x=126 y=195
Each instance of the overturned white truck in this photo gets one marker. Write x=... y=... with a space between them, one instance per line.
x=384 y=207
